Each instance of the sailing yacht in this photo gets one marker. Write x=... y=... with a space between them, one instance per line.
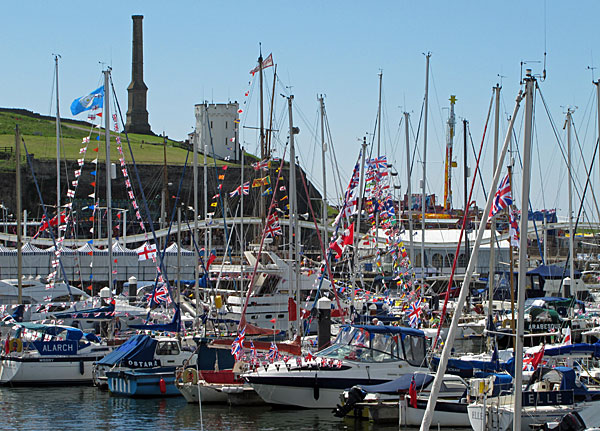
x=37 y=354
x=550 y=394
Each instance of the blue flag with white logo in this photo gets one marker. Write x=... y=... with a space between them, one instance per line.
x=93 y=100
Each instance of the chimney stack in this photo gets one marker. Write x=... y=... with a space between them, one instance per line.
x=137 y=115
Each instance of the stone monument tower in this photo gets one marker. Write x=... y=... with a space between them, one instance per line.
x=137 y=115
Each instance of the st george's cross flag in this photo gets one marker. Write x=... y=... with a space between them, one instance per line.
x=502 y=198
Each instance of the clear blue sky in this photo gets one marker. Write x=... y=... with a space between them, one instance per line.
x=195 y=51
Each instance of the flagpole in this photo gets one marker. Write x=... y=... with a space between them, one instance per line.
x=108 y=178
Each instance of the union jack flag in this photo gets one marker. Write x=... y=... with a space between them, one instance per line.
x=379 y=162
x=235 y=192
x=273 y=227
x=414 y=311
x=502 y=198
x=237 y=347
x=246 y=188
x=263 y=164
x=273 y=352
x=161 y=294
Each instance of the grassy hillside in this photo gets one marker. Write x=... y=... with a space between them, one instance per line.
x=39 y=133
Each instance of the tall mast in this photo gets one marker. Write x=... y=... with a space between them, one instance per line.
x=57 y=141
x=571 y=230
x=448 y=345
x=106 y=115
x=492 y=270
x=294 y=234
x=597 y=84
x=448 y=165
x=378 y=154
x=511 y=262
x=465 y=176
x=165 y=195
x=196 y=268
x=409 y=188
x=379 y=116
x=242 y=242
x=263 y=152
x=424 y=179
x=19 y=215
x=529 y=87
x=323 y=151
x=361 y=184
x=205 y=137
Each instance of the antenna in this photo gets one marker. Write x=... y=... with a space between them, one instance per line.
x=524 y=62
x=501 y=76
x=592 y=69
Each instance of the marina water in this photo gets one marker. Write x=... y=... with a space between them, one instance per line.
x=87 y=408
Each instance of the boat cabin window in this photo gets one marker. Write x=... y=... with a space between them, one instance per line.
x=414 y=349
x=167 y=348
x=268 y=285
x=360 y=345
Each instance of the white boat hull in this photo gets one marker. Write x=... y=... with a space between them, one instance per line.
x=208 y=393
x=36 y=371
x=502 y=417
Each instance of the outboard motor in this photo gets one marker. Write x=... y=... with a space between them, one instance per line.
x=355 y=395
x=569 y=422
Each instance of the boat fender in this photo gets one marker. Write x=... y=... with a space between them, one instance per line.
x=162 y=385
x=16 y=345
x=190 y=375
x=81 y=368
x=316 y=392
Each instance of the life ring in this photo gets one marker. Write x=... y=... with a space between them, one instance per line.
x=16 y=345
x=190 y=375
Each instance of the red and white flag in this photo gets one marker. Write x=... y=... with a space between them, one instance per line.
x=267 y=62
x=146 y=251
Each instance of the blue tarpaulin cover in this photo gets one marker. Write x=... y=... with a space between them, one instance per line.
x=138 y=348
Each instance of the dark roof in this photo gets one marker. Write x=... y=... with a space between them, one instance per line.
x=552 y=271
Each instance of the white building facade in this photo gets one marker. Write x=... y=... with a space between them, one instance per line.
x=220 y=122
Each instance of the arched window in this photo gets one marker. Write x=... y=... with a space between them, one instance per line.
x=437 y=260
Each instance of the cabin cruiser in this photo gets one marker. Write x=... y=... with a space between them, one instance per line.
x=35 y=292
x=361 y=354
x=270 y=298
x=36 y=354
